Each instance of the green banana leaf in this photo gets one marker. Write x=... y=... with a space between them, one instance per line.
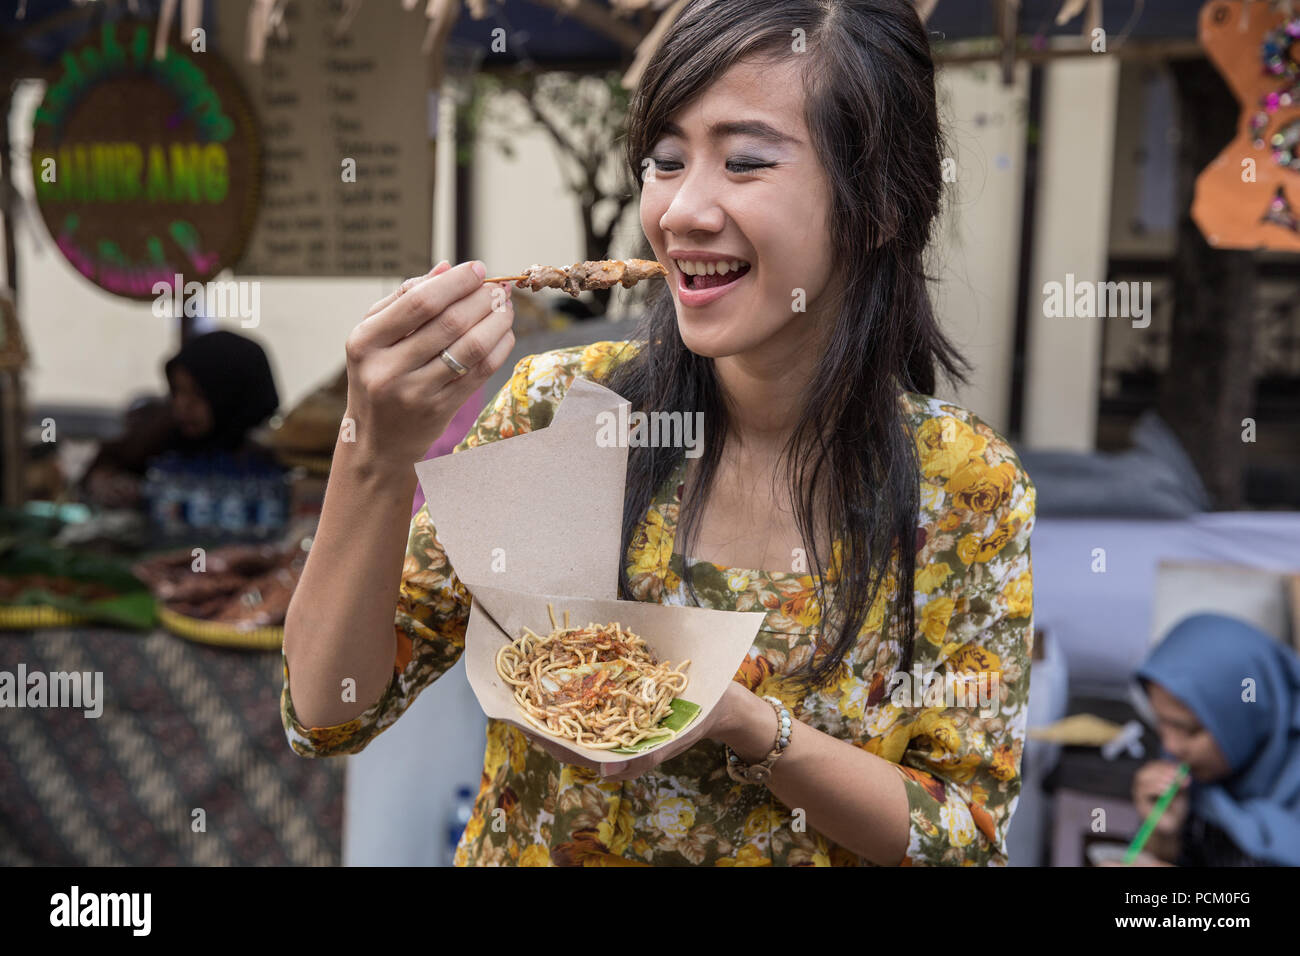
x=131 y=606
x=682 y=713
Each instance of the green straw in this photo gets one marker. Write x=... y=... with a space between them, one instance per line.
x=1157 y=811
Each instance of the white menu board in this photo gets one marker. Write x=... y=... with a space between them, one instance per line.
x=323 y=99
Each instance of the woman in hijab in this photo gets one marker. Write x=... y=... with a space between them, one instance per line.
x=1227 y=701
x=221 y=388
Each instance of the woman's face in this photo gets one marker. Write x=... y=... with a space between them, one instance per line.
x=190 y=409
x=1185 y=737
x=735 y=178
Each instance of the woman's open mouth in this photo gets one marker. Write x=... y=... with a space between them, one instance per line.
x=701 y=282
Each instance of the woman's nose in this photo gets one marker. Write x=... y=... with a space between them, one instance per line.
x=694 y=208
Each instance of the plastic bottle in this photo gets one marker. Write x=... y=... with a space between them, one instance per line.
x=457 y=820
x=170 y=504
x=199 y=503
x=232 y=510
x=270 y=502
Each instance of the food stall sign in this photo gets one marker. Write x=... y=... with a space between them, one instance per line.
x=147 y=171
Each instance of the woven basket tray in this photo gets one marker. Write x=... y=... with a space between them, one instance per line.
x=222 y=635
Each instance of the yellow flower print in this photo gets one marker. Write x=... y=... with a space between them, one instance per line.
x=968 y=548
x=738 y=582
x=535 y=855
x=932 y=497
x=474 y=828
x=517 y=744
x=572 y=775
x=945 y=444
x=886 y=717
x=962 y=770
x=597 y=359
x=749 y=855
x=956 y=819
x=996 y=541
x=331 y=737
x=941 y=730
x=950 y=521
x=853 y=697
x=674 y=816
x=892 y=745
x=519 y=386
x=616 y=834
x=652 y=546
x=803 y=608
x=497 y=753
x=1019 y=595
x=977 y=487
x=783 y=690
x=934 y=619
x=1004 y=764
x=932 y=576
x=974 y=657
x=837 y=561
x=876 y=616
x=762 y=820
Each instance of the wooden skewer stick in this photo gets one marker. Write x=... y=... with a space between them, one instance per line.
x=506 y=278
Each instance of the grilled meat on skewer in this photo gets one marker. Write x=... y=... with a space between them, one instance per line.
x=582 y=276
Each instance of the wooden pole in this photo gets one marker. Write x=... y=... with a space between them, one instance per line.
x=1209 y=386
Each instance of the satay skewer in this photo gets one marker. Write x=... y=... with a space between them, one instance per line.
x=585 y=276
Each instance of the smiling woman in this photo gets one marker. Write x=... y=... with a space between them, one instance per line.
x=791 y=155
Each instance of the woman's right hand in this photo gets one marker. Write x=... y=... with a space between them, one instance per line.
x=1153 y=779
x=401 y=395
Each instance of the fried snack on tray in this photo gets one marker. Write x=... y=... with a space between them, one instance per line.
x=584 y=276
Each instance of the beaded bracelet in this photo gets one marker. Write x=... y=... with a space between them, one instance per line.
x=762 y=772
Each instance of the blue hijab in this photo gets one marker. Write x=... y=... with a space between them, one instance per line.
x=1203 y=662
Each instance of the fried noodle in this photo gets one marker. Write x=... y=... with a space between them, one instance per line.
x=598 y=685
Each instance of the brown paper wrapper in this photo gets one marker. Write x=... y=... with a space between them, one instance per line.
x=536 y=519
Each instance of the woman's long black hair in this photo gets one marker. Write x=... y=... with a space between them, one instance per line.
x=871 y=110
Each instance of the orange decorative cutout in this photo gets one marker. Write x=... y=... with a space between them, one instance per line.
x=1249 y=196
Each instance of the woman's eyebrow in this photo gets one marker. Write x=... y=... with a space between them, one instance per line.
x=752 y=127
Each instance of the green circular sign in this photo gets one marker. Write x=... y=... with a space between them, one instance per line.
x=147 y=171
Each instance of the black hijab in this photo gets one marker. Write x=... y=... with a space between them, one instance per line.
x=235 y=377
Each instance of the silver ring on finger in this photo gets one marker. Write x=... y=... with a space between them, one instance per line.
x=452 y=363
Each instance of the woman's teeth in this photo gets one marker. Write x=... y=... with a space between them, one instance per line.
x=691 y=268
x=699 y=271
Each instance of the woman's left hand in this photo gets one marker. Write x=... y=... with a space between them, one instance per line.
x=718 y=721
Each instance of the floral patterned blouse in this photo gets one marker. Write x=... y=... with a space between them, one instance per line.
x=960 y=764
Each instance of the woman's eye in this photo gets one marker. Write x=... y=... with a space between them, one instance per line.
x=747 y=165
x=733 y=165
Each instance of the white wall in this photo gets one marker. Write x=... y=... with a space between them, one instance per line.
x=978 y=238
x=1072 y=227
